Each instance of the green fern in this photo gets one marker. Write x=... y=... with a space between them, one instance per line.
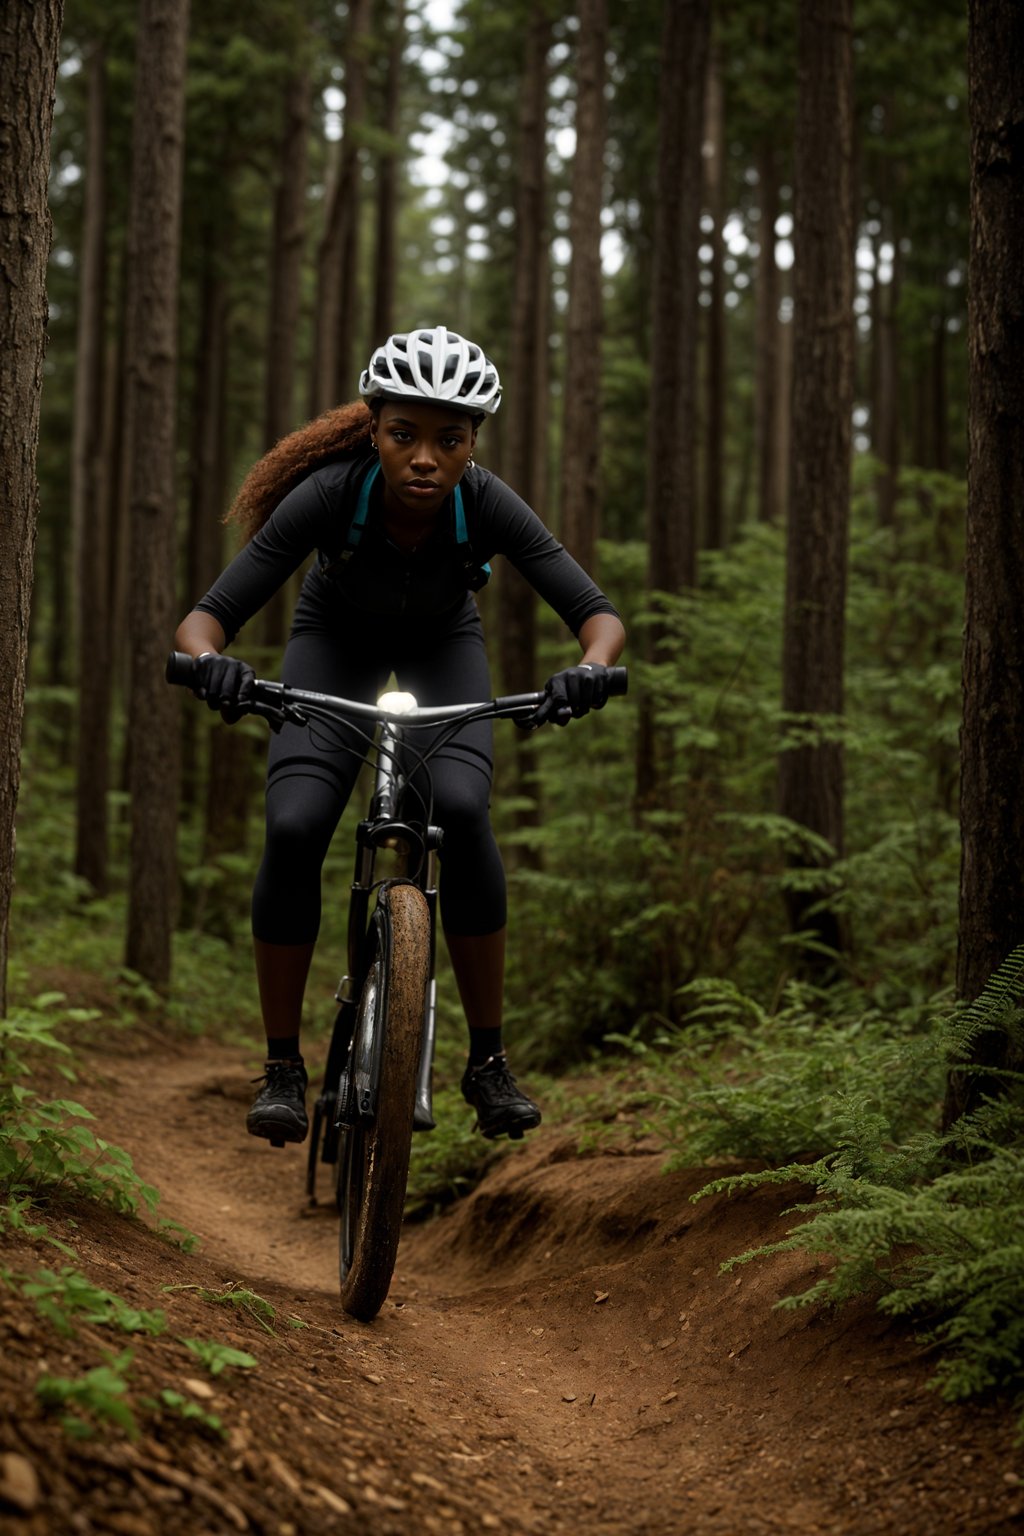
x=930 y=1222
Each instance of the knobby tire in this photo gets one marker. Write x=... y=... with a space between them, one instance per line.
x=373 y=1162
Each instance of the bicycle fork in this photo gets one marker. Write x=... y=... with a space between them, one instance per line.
x=357 y=1099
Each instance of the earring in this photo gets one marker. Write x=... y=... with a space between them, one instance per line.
x=471 y=462
x=373 y=445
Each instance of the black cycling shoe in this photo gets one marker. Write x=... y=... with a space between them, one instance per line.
x=502 y=1109
x=279 y=1109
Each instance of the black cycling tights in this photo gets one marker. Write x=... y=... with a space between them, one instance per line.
x=309 y=780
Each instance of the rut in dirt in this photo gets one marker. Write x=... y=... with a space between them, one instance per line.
x=569 y=1324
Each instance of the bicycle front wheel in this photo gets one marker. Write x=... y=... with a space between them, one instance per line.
x=373 y=1169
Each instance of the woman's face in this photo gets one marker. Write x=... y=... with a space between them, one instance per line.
x=423 y=449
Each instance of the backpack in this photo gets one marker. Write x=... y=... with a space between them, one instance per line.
x=477 y=575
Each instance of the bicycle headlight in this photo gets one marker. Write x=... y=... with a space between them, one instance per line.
x=398 y=703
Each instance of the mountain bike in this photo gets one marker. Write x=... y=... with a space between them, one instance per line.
x=377 y=1087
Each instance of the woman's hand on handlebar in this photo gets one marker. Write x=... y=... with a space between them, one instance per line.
x=226 y=683
x=572 y=693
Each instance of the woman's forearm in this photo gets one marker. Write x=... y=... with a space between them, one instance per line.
x=602 y=638
x=199 y=632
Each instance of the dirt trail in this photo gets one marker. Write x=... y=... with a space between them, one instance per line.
x=560 y=1350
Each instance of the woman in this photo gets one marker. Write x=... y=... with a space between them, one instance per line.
x=403 y=522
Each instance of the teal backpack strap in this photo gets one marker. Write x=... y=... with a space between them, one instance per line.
x=477 y=576
x=358 y=523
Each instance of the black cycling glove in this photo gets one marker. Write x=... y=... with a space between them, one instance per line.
x=226 y=684
x=572 y=693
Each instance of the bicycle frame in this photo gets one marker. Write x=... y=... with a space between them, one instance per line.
x=417 y=848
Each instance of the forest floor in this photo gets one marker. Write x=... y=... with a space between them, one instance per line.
x=559 y=1351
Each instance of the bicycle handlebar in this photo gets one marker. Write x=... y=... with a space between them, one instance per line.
x=278 y=701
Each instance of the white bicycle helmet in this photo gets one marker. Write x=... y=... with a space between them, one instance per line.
x=435 y=365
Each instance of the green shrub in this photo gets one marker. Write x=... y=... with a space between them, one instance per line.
x=42 y=1145
x=930 y=1222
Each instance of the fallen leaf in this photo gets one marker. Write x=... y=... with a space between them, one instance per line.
x=600 y=1296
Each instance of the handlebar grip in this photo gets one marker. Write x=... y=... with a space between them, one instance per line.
x=181 y=669
x=618 y=680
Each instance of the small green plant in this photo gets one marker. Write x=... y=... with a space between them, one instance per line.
x=98 y=1398
x=173 y=1232
x=69 y=1297
x=185 y=1408
x=239 y=1296
x=218 y=1357
x=41 y=1148
x=15 y=1217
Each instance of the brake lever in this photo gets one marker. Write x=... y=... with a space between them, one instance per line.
x=277 y=715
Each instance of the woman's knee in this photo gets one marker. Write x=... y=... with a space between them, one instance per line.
x=299 y=827
x=462 y=804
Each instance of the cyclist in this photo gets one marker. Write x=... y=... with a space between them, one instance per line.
x=403 y=523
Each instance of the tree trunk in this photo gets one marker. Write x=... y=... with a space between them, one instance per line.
x=887 y=426
x=387 y=185
x=90 y=511
x=714 y=425
x=939 y=392
x=29 y=51
x=336 y=264
x=207 y=468
x=672 y=450
x=287 y=242
x=579 y=500
x=992 y=734
x=151 y=365
x=672 y=441
x=811 y=775
x=766 y=362
x=523 y=448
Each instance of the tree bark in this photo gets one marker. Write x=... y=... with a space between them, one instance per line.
x=811 y=775
x=766 y=363
x=886 y=346
x=887 y=426
x=992 y=735
x=336 y=264
x=90 y=510
x=579 y=500
x=29 y=51
x=151 y=365
x=207 y=467
x=287 y=243
x=524 y=448
x=387 y=185
x=672 y=449
x=714 y=424
x=673 y=430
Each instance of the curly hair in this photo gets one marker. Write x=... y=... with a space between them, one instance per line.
x=340 y=433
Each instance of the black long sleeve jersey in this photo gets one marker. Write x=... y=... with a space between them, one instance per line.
x=380 y=580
